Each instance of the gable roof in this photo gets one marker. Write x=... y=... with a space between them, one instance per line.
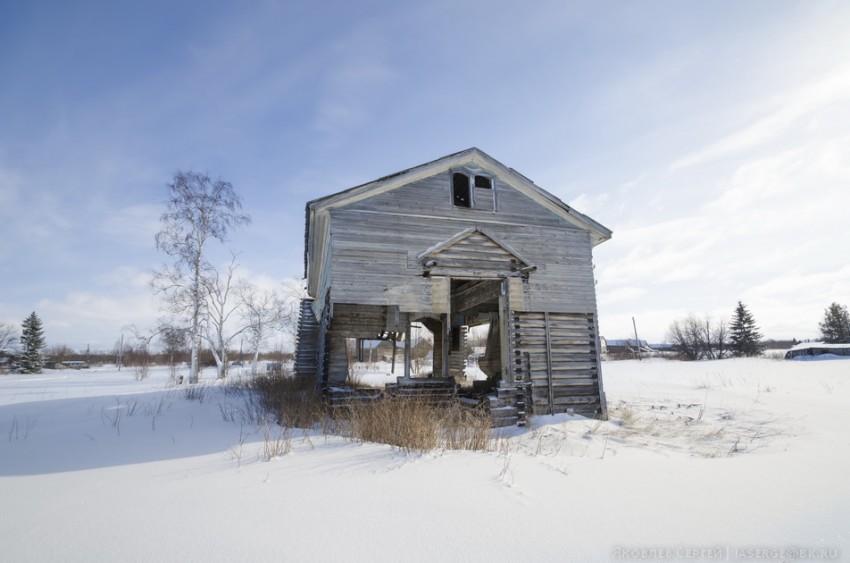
x=473 y=246
x=469 y=157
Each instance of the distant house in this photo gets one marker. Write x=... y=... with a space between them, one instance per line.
x=813 y=349
x=625 y=348
x=458 y=242
x=67 y=364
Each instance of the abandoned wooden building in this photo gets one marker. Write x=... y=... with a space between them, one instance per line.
x=459 y=242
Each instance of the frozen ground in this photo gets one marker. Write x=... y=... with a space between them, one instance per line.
x=699 y=460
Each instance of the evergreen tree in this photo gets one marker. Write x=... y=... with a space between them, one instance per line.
x=31 y=359
x=835 y=327
x=746 y=338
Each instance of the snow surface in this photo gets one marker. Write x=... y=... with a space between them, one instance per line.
x=697 y=457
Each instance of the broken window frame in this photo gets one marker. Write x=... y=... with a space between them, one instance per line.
x=457 y=199
x=473 y=179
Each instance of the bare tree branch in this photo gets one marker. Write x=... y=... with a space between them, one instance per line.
x=8 y=337
x=198 y=209
x=699 y=339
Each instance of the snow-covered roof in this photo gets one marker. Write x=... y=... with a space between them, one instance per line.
x=626 y=342
x=807 y=345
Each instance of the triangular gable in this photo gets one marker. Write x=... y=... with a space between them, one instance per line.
x=470 y=157
x=317 y=211
x=473 y=250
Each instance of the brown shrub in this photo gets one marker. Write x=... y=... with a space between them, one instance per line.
x=292 y=401
x=412 y=424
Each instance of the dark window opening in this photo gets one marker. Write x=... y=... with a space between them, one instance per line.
x=460 y=190
x=483 y=182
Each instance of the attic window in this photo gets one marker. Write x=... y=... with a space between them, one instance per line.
x=460 y=190
x=483 y=182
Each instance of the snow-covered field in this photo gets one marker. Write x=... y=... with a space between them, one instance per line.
x=731 y=460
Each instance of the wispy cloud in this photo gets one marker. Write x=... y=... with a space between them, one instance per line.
x=354 y=84
x=787 y=109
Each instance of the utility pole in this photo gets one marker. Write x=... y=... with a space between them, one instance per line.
x=120 y=359
x=640 y=358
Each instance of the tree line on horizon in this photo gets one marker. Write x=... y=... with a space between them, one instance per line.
x=701 y=338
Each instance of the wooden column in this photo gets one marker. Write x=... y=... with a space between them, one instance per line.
x=504 y=341
x=407 y=345
x=445 y=345
x=546 y=329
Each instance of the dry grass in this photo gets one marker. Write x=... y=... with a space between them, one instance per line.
x=293 y=402
x=277 y=442
x=410 y=424
x=415 y=425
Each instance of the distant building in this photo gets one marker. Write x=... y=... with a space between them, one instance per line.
x=811 y=349
x=628 y=347
x=67 y=364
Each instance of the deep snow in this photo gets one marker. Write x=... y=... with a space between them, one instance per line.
x=698 y=459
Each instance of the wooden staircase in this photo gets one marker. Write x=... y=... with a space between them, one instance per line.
x=307 y=342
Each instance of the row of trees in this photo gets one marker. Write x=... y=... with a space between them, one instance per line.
x=703 y=338
x=128 y=352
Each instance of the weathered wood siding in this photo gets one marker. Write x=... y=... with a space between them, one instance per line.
x=556 y=354
x=317 y=248
x=375 y=245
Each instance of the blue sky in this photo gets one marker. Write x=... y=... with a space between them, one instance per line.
x=712 y=137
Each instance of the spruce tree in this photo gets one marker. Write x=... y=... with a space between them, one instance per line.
x=835 y=327
x=746 y=338
x=32 y=345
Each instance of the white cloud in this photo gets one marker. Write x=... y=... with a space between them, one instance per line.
x=124 y=277
x=622 y=294
x=589 y=204
x=95 y=318
x=773 y=233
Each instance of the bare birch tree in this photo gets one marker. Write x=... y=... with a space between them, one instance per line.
x=222 y=309
x=265 y=312
x=198 y=210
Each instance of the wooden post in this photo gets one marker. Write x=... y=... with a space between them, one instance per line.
x=504 y=341
x=446 y=344
x=637 y=339
x=407 y=346
x=549 y=362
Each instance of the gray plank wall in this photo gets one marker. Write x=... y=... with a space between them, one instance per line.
x=375 y=244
